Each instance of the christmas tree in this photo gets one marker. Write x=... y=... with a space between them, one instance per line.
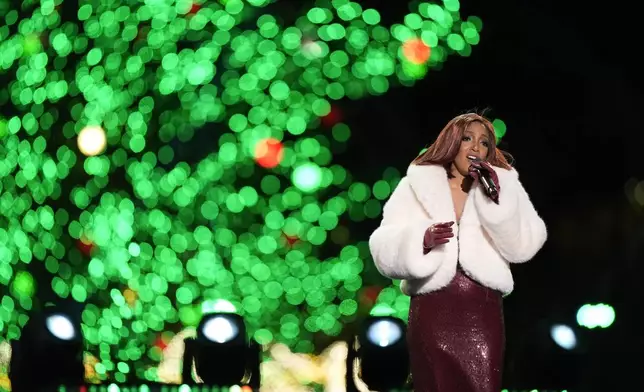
x=158 y=156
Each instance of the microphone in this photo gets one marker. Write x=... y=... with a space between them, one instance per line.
x=486 y=181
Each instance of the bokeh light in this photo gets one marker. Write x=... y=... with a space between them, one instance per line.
x=595 y=315
x=500 y=128
x=269 y=153
x=416 y=51
x=91 y=140
x=563 y=336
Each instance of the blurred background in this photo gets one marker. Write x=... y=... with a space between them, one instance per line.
x=164 y=161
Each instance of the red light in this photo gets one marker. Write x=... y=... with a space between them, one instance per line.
x=416 y=51
x=160 y=343
x=269 y=153
x=369 y=295
x=194 y=8
x=85 y=245
x=290 y=240
x=334 y=117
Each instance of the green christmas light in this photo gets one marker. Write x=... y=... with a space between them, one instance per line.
x=97 y=104
x=595 y=315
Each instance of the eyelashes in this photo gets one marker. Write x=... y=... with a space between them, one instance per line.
x=467 y=139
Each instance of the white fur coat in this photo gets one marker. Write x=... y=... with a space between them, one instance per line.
x=486 y=240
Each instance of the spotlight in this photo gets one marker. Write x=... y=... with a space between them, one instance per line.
x=51 y=346
x=379 y=356
x=384 y=333
x=222 y=354
x=220 y=329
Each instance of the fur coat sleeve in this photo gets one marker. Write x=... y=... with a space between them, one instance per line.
x=514 y=226
x=397 y=245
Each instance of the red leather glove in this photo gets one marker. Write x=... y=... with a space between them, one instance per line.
x=437 y=234
x=484 y=166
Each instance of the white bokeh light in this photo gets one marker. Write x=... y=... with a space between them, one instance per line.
x=92 y=140
x=311 y=49
x=564 y=336
x=61 y=327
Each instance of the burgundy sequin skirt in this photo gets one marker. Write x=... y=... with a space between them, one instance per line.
x=456 y=338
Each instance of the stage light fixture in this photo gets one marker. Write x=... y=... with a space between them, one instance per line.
x=222 y=354
x=378 y=357
x=51 y=345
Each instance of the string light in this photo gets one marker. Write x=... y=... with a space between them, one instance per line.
x=91 y=140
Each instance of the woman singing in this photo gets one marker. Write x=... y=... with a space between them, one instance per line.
x=452 y=241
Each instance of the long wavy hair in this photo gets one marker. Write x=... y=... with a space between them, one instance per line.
x=445 y=148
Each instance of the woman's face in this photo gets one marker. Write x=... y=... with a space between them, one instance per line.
x=475 y=143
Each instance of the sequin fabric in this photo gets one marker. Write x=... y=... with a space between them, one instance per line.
x=456 y=338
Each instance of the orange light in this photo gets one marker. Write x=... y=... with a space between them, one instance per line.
x=416 y=51
x=269 y=153
x=130 y=296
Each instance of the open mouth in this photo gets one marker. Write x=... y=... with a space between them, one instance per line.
x=473 y=158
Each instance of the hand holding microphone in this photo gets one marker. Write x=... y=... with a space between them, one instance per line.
x=483 y=173
x=437 y=234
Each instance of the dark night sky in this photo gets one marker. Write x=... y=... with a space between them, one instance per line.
x=563 y=81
